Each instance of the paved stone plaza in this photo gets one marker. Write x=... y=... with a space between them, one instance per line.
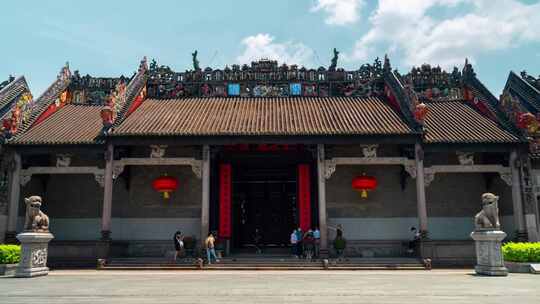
x=437 y=286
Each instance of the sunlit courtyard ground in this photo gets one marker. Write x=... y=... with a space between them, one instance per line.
x=436 y=286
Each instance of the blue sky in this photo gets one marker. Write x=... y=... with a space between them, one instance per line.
x=108 y=38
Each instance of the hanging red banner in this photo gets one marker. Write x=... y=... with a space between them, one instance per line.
x=304 y=197
x=225 y=194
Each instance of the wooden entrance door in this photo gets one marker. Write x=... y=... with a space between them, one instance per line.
x=267 y=208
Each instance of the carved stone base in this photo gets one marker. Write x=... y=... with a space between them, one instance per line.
x=489 y=259
x=34 y=252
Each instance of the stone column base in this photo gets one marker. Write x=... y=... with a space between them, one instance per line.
x=425 y=248
x=103 y=249
x=496 y=271
x=489 y=259
x=34 y=252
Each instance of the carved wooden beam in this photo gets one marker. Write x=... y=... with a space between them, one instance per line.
x=504 y=172
x=196 y=165
x=26 y=174
x=330 y=164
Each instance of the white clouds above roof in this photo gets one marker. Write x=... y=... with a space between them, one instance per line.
x=480 y=26
x=340 y=12
x=264 y=46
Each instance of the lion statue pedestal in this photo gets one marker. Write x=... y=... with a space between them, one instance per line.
x=488 y=237
x=34 y=251
x=34 y=241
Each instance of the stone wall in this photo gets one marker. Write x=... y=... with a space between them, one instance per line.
x=390 y=211
x=74 y=204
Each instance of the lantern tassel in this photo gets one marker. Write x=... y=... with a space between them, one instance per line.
x=363 y=193
x=166 y=195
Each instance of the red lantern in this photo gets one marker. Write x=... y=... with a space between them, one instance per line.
x=165 y=184
x=363 y=184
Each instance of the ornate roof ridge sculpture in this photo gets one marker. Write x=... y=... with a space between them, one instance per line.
x=10 y=88
x=264 y=78
x=535 y=82
x=135 y=93
x=71 y=88
x=16 y=103
x=5 y=83
x=429 y=84
x=520 y=100
x=55 y=95
x=124 y=99
x=93 y=90
x=432 y=83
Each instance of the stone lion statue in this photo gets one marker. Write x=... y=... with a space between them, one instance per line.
x=488 y=217
x=35 y=219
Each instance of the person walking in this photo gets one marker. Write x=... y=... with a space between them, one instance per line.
x=317 y=243
x=210 y=250
x=178 y=240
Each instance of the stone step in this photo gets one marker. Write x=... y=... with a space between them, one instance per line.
x=264 y=264
x=262 y=267
x=150 y=261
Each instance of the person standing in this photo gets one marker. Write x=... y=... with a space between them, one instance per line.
x=257 y=237
x=339 y=242
x=294 y=243
x=309 y=244
x=317 y=238
x=416 y=236
x=338 y=229
x=178 y=240
x=299 y=237
x=210 y=248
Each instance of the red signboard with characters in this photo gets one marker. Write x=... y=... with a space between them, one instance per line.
x=304 y=197
x=225 y=195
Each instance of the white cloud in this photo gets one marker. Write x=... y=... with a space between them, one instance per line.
x=340 y=12
x=263 y=46
x=485 y=25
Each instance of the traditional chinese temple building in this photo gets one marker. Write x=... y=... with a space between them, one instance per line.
x=122 y=163
x=521 y=101
x=15 y=101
